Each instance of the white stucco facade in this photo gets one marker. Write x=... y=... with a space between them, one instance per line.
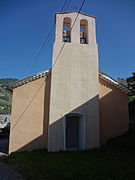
x=74 y=82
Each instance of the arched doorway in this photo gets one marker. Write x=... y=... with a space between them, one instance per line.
x=74 y=131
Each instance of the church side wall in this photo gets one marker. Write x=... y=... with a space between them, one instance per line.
x=27 y=120
x=113 y=111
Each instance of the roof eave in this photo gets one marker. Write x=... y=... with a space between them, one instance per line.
x=115 y=83
x=67 y=12
x=27 y=80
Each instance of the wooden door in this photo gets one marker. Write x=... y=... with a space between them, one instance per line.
x=72 y=132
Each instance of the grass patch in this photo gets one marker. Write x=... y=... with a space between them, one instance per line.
x=114 y=161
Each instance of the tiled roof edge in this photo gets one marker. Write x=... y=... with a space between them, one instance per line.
x=27 y=80
x=115 y=83
x=102 y=75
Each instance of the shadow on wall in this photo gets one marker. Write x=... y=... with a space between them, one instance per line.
x=56 y=130
x=41 y=141
x=113 y=121
x=90 y=111
x=114 y=117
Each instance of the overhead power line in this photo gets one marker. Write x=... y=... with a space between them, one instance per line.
x=51 y=68
x=71 y=30
x=45 y=43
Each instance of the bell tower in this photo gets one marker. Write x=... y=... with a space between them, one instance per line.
x=74 y=101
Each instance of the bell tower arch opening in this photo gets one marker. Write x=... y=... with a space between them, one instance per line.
x=84 y=31
x=67 y=29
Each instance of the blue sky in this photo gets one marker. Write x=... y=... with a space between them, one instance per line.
x=24 y=25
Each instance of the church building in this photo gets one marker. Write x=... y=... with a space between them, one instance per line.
x=72 y=106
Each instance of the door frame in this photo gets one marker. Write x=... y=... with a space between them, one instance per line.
x=81 y=126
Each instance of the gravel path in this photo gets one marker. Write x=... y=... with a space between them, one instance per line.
x=7 y=173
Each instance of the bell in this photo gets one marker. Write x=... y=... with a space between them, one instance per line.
x=82 y=35
x=66 y=36
x=64 y=33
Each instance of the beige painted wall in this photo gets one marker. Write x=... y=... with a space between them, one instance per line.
x=28 y=130
x=113 y=111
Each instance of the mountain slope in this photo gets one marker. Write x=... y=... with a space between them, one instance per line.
x=5 y=96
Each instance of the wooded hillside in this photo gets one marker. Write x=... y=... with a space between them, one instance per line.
x=5 y=96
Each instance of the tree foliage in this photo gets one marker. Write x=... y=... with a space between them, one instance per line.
x=5 y=96
x=7 y=81
x=131 y=86
x=131 y=82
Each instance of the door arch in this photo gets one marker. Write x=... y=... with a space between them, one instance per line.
x=74 y=131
